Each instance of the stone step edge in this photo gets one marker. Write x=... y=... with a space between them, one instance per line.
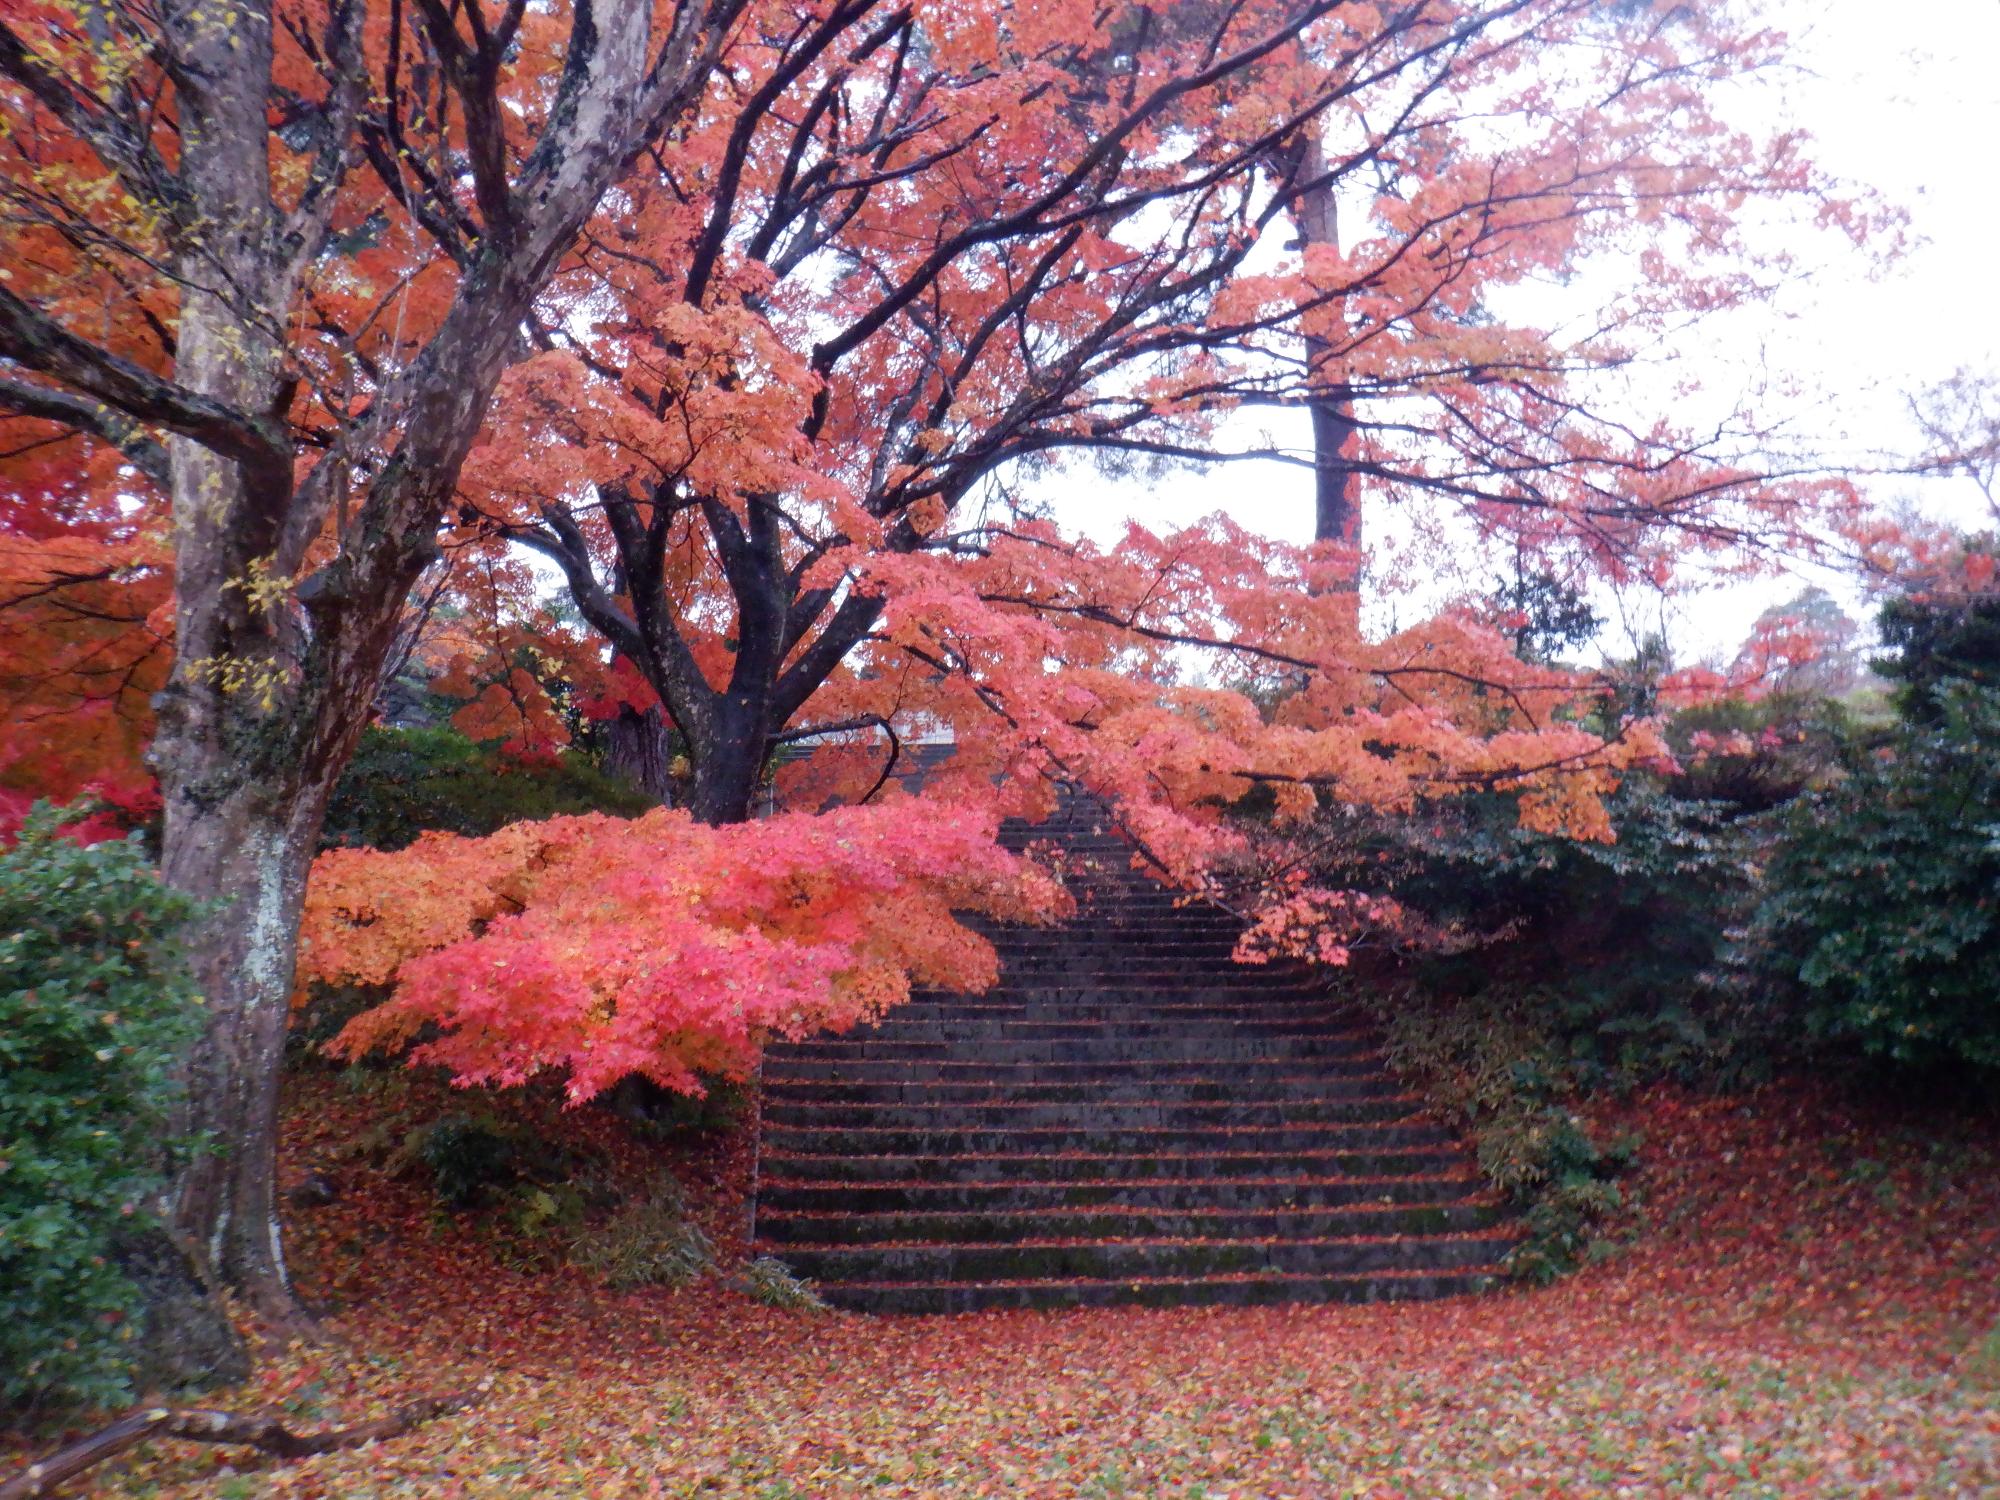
x=1501 y=1241
x=903 y=1185
x=1053 y=1216
x=1352 y=1059
x=1220 y=1278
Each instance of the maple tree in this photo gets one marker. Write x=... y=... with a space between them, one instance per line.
x=276 y=258
x=85 y=592
x=598 y=948
x=762 y=448
x=732 y=309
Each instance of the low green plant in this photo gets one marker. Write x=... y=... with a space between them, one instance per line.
x=95 y=1005
x=647 y=1241
x=1500 y=1070
x=468 y=1159
x=474 y=1159
x=771 y=1282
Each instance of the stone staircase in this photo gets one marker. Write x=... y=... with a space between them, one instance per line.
x=1129 y=1116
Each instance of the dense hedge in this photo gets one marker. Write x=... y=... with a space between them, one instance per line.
x=403 y=782
x=1880 y=916
x=95 y=1004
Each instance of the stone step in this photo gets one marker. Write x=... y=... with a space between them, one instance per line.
x=1090 y=1115
x=1248 y=1008
x=1170 y=937
x=1113 y=1048
x=788 y=1069
x=1118 y=1259
x=1185 y=989
x=1359 y=1161
x=777 y=1194
x=1192 y=1140
x=979 y=1031
x=1160 y=978
x=1108 y=1224
x=946 y=1297
x=1129 y=1114
x=821 y=1091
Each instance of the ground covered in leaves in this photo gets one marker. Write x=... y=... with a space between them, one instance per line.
x=1804 y=1305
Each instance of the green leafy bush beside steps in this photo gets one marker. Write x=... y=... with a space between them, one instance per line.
x=1500 y=1069
x=1880 y=915
x=95 y=1003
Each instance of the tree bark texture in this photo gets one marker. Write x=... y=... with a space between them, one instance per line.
x=639 y=748
x=1336 y=480
x=278 y=648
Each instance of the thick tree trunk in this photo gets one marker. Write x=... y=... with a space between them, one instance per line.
x=246 y=847
x=1336 y=480
x=639 y=748
x=729 y=769
x=1336 y=501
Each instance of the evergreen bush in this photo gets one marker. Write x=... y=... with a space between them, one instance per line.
x=403 y=782
x=1881 y=905
x=95 y=1005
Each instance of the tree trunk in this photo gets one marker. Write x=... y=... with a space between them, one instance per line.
x=1336 y=480
x=1336 y=503
x=248 y=848
x=730 y=767
x=639 y=748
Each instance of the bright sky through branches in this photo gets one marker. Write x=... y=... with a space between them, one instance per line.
x=1911 y=113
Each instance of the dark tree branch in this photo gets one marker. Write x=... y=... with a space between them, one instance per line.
x=265 y=1430
x=147 y=453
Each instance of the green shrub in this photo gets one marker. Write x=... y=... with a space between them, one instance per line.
x=771 y=1282
x=1779 y=746
x=1502 y=1068
x=403 y=782
x=648 y=1241
x=95 y=1004
x=474 y=1160
x=1881 y=905
x=1616 y=944
x=468 y=1159
x=1935 y=643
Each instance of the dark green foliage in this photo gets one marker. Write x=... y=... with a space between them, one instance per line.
x=403 y=782
x=95 y=1004
x=1881 y=910
x=1547 y=615
x=1935 y=644
x=467 y=1159
x=1503 y=1067
x=1568 y=967
x=1615 y=941
x=477 y=1159
x=1795 y=741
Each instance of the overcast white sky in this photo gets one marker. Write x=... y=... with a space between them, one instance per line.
x=1905 y=100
